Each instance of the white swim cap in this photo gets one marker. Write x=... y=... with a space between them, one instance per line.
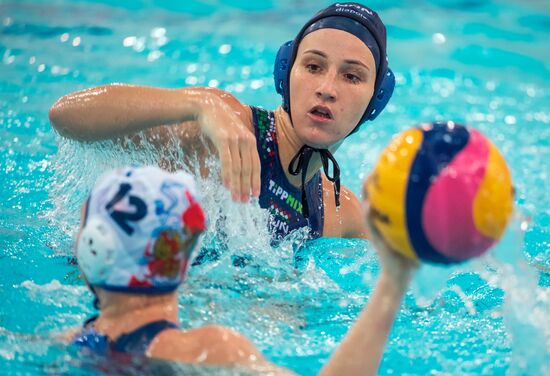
x=137 y=231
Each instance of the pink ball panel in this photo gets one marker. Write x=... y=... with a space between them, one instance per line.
x=447 y=213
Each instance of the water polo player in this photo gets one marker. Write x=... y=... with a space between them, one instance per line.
x=333 y=77
x=139 y=232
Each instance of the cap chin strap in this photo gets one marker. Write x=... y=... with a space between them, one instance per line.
x=300 y=163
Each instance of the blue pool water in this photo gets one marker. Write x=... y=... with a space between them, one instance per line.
x=485 y=63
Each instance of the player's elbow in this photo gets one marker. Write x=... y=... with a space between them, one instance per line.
x=62 y=119
x=56 y=116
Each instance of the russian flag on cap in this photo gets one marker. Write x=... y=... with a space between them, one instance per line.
x=193 y=217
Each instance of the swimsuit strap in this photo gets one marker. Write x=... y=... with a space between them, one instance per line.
x=90 y=339
x=91 y=320
x=138 y=341
x=278 y=195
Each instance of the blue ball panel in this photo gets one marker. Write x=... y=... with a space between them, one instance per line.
x=441 y=143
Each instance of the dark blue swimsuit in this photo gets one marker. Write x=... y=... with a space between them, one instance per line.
x=282 y=199
x=133 y=343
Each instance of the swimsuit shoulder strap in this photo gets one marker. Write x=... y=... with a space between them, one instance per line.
x=88 y=338
x=138 y=341
x=90 y=321
x=264 y=129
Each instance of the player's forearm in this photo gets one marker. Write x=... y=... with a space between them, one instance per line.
x=361 y=350
x=114 y=110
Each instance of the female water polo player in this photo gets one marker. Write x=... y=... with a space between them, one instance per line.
x=138 y=235
x=333 y=77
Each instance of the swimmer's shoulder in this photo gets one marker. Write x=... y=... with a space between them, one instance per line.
x=210 y=344
x=347 y=221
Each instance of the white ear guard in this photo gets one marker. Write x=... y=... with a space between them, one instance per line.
x=96 y=249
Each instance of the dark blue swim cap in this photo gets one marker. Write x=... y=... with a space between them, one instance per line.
x=355 y=19
x=350 y=26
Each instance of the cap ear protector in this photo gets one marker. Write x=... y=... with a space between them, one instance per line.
x=380 y=98
x=281 y=76
x=280 y=71
x=96 y=249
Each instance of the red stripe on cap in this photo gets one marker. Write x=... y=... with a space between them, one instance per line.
x=134 y=282
x=194 y=218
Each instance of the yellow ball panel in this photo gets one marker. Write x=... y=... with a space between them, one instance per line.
x=387 y=188
x=493 y=203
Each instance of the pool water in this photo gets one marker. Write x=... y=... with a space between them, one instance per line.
x=484 y=63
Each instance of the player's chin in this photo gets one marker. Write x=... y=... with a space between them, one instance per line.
x=320 y=138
